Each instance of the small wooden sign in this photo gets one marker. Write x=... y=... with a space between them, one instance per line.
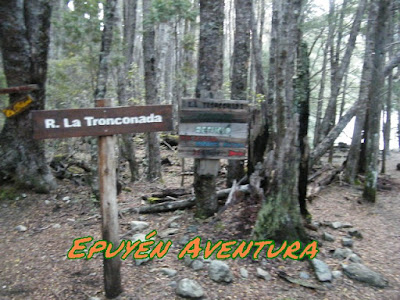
x=18 y=107
x=101 y=121
x=213 y=129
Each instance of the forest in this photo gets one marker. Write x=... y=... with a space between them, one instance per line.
x=146 y=146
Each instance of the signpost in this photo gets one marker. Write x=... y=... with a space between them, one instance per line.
x=104 y=122
x=213 y=129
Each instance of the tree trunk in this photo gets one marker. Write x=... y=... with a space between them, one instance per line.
x=387 y=124
x=209 y=85
x=375 y=105
x=261 y=120
x=321 y=94
x=241 y=56
x=353 y=157
x=150 y=78
x=24 y=42
x=338 y=70
x=129 y=20
x=302 y=94
x=279 y=218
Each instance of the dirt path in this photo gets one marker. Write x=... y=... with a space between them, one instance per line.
x=33 y=264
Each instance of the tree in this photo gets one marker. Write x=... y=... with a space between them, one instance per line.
x=24 y=42
x=279 y=217
x=338 y=69
x=127 y=45
x=209 y=84
x=151 y=87
x=374 y=100
x=241 y=56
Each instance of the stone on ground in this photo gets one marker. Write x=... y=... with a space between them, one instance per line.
x=188 y=288
x=362 y=273
x=220 y=272
x=321 y=270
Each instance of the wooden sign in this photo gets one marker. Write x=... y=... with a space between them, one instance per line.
x=213 y=129
x=101 y=121
x=18 y=107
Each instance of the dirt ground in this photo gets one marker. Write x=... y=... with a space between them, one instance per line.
x=34 y=264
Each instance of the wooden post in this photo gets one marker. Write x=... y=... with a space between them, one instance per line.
x=109 y=209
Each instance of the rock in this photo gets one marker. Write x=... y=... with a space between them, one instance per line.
x=362 y=273
x=337 y=274
x=172 y=219
x=197 y=265
x=328 y=237
x=355 y=258
x=342 y=253
x=21 y=228
x=94 y=298
x=56 y=226
x=168 y=232
x=173 y=225
x=188 y=288
x=47 y=202
x=184 y=240
x=263 y=274
x=141 y=237
x=347 y=242
x=346 y=225
x=72 y=220
x=321 y=270
x=187 y=261
x=220 y=272
x=355 y=233
x=23 y=195
x=304 y=275
x=244 y=273
x=169 y=272
x=139 y=225
x=335 y=225
x=173 y=284
x=192 y=229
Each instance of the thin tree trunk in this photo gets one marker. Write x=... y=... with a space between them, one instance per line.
x=321 y=94
x=387 y=124
x=150 y=78
x=209 y=85
x=353 y=157
x=302 y=92
x=260 y=126
x=129 y=29
x=375 y=105
x=241 y=56
x=339 y=70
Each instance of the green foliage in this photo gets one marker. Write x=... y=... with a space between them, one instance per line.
x=70 y=82
x=8 y=193
x=167 y=10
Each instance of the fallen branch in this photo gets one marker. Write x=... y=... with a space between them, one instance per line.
x=221 y=194
x=161 y=207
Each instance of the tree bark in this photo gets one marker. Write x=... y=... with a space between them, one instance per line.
x=129 y=29
x=241 y=56
x=24 y=42
x=209 y=85
x=387 y=124
x=150 y=78
x=353 y=157
x=302 y=94
x=279 y=218
x=106 y=44
x=374 y=103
